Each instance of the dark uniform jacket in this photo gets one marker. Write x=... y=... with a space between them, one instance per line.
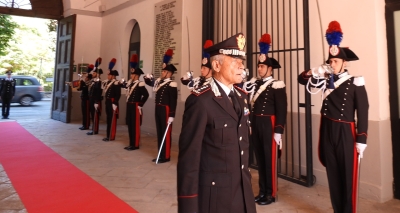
x=95 y=91
x=7 y=88
x=84 y=88
x=213 y=173
x=272 y=101
x=344 y=102
x=139 y=94
x=166 y=95
x=113 y=91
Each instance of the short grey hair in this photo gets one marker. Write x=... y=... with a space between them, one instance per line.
x=219 y=58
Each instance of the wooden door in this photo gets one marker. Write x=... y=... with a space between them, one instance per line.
x=61 y=106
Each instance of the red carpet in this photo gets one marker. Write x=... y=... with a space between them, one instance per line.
x=46 y=182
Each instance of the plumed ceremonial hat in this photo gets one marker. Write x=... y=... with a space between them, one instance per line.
x=232 y=46
x=206 y=56
x=167 y=59
x=90 y=68
x=264 y=44
x=334 y=36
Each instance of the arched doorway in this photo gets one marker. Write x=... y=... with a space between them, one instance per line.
x=134 y=44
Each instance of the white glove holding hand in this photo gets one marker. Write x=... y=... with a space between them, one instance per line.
x=189 y=74
x=277 y=138
x=114 y=107
x=360 y=148
x=96 y=106
x=170 y=119
x=140 y=109
x=122 y=80
x=320 y=71
x=149 y=76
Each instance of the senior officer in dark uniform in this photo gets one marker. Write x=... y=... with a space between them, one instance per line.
x=206 y=73
x=7 y=91
x=112 y=93
x=166 y=99
x=341 y=139
x=213 y=173
x=269 y=107
x=136 y=97
x=95 y=97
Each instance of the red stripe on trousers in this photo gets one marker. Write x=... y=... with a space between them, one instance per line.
x=168 y=136
x=137 y=125
x=355 y=173
x=273 y=160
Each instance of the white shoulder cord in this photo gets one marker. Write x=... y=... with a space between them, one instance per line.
x=156 y=84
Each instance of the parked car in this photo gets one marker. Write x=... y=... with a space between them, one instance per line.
x=27 y=90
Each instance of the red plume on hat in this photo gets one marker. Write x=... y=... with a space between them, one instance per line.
x=98 y=62
x=112 y=63
x=334 y=34
x=207 y=44
x=134 y=61
x=168 y=56
x=264 y=43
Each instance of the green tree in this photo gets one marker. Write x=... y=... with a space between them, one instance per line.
x=7 y=30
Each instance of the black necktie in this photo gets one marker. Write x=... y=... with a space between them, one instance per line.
x=235 y=103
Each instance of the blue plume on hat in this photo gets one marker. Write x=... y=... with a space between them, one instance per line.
x=134 y=61
x=207 y=44
x=168 y=56
x=264 y=43
x=112 y=63
x=334 y=33
x=98 y=62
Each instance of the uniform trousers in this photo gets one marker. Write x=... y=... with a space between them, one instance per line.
x=134 y=121
x=95 y=115
x=5 y=106
x=85 y=112
x=162 y=115
x=339 y=155
x=111 y=119
x=265 y=150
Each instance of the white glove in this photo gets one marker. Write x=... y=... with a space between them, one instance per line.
x=189 y=74
x=114 y=107
x=140 y=109
x=170 y=119
x=319 y=71
x=96 y=106
x=149 y=76
x=277 y=138
x=253 y=80
x=360 y=148
x=122 y=80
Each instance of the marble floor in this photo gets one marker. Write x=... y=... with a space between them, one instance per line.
x=147 y=187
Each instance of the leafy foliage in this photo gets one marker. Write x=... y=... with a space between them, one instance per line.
x=7 y=30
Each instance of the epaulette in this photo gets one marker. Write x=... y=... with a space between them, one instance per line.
x=141 y=84
x=200 y=90
x=238 y=88
x=359 y=81
x=173 y=84
x=278 y=84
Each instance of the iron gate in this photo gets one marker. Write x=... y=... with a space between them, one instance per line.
x=287 y=22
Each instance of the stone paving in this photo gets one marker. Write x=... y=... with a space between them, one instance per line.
x=147 y=187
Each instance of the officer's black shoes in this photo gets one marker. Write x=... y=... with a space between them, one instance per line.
x=259 y=197
x=161 y=160
x=89 y=133
x=4 y=117
x=130 y=148
x=83 y=128
x=106 y=139
x=266 y=200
